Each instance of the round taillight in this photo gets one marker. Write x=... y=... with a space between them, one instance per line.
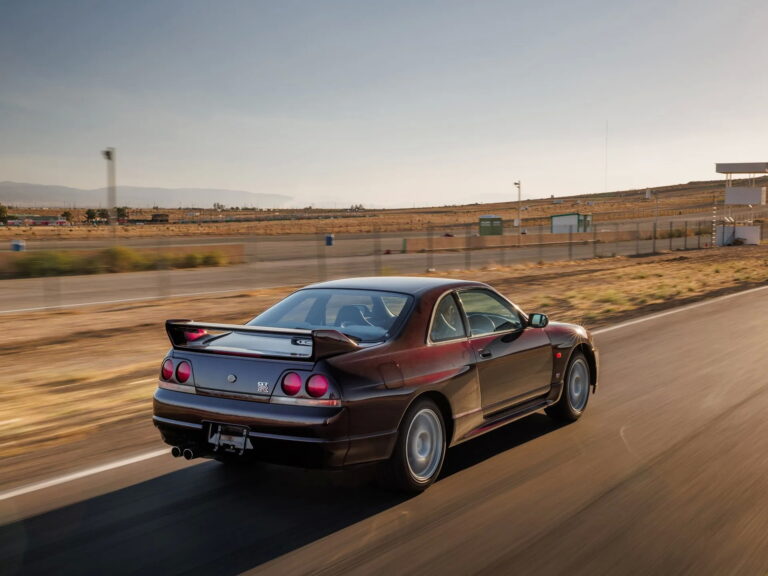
x=183 y=372
x=291 y=383
x=317 y=385
x=167 y=371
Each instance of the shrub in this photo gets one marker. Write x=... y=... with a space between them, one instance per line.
x=121 y=259
x=213 y=259
x=189 y=261
x=115 y=259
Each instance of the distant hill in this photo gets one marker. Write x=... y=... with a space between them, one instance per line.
x=43 y=196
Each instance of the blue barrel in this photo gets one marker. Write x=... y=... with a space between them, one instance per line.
x=329 y=239
x=18 y=245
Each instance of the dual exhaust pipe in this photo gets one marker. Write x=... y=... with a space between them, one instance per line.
x=188 y=453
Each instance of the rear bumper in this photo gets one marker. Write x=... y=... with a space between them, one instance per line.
x=307 y=436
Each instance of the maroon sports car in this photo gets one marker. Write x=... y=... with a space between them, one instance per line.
x=362 y=370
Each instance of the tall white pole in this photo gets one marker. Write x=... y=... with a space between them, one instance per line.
x=519 y=214
x=110 y=157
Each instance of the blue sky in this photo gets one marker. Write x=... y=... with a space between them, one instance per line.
x=382 y=103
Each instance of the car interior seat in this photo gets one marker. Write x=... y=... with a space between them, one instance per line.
x=351 y=315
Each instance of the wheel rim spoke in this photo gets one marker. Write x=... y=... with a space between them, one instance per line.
x=578 y=385
x=424 y=445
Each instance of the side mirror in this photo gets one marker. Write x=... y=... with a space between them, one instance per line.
x=538 y=320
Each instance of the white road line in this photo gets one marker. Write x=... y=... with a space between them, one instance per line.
x=141 y=457
x=8 y=494
x=676 y=310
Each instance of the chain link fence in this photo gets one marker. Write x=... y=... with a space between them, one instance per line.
x=299 y=260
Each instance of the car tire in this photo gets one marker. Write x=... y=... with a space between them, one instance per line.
x=575 y=395
x=420 y=450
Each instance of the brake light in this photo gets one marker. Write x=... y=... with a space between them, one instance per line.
x=167 y=371
x=291 y=383
x=183 y=372
x=317 y=385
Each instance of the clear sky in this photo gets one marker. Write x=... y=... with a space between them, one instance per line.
x=386 y=103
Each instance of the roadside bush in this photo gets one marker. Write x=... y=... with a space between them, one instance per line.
x=44 y=263
x=115 y=259
x=188 y=261
x=121 y=259
x=213 y=259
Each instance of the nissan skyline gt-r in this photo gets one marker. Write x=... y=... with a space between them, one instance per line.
x=390 y=370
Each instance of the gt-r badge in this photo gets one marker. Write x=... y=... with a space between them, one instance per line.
x=231 y=378
x=262 y=387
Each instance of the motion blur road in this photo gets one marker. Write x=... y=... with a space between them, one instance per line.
x=665 y=474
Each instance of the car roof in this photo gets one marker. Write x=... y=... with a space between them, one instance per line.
x=414 y=285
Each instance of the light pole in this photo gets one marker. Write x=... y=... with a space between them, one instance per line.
x=110 y=156
x=655 y=219
x=519 y=214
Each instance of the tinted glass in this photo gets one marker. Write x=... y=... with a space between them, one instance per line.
x=364 y=315
x=446 y=322
x=487 y=312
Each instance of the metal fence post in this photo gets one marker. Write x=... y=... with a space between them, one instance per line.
x=570 y=242
x=467 y=246
x=594 y=241
x=430 y=248
x=51 y=291
x=321 y=270
x=503 y=248
x=163 y=273
x=698 y=234
x=654 y=239
x=376 y=251
x=541 y=243
x=670 y=234
x=254 y=250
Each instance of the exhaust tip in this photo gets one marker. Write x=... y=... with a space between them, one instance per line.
x=189 y=454
x=176 y=451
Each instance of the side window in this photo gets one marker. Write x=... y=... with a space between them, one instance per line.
x=488 y=313
x=447 y=323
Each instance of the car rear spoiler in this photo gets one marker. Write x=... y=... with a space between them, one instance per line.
x=184 y=334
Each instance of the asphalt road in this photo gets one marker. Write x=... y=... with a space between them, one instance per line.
x=665 y=474
x=286 y=263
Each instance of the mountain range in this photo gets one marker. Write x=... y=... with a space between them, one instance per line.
x=45 y=196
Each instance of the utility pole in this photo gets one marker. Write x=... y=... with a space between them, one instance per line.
x=110 y=156
x=519 y=215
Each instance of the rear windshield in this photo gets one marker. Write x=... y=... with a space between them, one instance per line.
x=363 y=315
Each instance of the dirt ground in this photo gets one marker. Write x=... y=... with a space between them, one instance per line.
x=72 y=378
x=668 y=200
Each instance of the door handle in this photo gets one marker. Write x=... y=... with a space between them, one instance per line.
x=485 y=353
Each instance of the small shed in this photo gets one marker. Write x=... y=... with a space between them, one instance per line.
x=491 y=225
x=572 y=222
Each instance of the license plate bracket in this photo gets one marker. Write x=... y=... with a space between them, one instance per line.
x=229 y=437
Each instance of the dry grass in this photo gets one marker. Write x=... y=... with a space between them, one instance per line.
x=679 y=199
x=68 y=374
